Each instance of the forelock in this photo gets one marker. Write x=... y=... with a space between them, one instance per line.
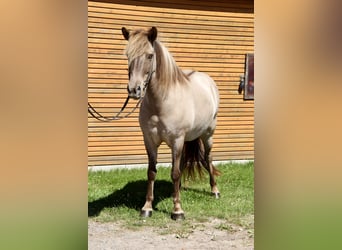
x=138 y=44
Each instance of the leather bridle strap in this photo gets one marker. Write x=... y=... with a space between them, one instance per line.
x=147 y=81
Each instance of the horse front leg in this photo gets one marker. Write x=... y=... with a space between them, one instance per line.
x=177 y=213
x=147 y=209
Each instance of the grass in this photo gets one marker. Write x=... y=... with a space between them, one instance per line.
x=118 y=195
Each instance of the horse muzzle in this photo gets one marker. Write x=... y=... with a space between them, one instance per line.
x=134 y=93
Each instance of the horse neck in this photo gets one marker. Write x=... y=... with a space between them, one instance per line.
x=167 y=73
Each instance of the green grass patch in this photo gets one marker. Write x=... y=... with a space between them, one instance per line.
x=118 y=195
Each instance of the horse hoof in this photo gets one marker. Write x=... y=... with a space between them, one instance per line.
x=217 y=195
x=177 y=216
x=145 y=213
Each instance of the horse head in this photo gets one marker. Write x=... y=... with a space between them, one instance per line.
x=141 y=59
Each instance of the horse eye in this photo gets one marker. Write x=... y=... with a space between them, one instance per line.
x=149 y=56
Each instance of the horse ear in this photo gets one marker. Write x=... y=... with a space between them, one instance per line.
x=125 y=33
x=152 y=34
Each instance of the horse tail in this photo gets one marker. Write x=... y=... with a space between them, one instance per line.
x=193 y=160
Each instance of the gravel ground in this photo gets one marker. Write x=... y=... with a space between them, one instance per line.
x=203 y=236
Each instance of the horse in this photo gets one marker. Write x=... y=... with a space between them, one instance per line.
x=178 y=107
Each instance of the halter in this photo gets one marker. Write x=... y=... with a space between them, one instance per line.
x=98 y=116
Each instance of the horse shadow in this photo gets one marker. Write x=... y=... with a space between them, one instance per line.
x=132 y=195
x=197 y=191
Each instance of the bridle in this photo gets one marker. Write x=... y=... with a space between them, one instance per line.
x=98 y=116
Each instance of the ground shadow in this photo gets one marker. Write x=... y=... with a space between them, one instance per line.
x=198 y=191
x=132 y=195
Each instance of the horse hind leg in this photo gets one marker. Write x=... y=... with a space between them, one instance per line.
x=210 y=167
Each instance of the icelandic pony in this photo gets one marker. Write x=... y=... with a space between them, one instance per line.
x=178 y=108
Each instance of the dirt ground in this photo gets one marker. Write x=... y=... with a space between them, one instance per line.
x=206 y=235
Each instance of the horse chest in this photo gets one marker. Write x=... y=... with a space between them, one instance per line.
x=162 y=129
x=153 y=125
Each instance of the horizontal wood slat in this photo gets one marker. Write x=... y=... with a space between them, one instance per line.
x=208 y=36
x=168 y=12
x=233 y=8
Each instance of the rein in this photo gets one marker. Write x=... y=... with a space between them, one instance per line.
x=98 y=116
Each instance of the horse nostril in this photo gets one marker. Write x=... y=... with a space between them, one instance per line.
x=131 y=90
x=134 y=91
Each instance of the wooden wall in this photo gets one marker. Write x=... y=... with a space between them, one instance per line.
x=208 y=36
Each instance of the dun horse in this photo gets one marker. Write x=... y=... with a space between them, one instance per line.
x=178 y=108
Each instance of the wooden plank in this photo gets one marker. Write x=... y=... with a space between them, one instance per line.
x=121 y=75
x=128 y=141
x=137 y=133
x=169 y=7
x=120 y=71
x=142 y=158
x=110 y=53
x=119 y=50
x=186 y=27
x=150 y=12
x=201 y=65
x=94 y=145
x=222 y=120
x=168 y=18
x=114 y=107
x=180 y=47
x=117 y=95
x=229 y=82
x=161 y=151
x=124 y=123
x=137 y=128
x=114 y=62
x=113 y=35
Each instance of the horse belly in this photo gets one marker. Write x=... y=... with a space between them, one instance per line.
x=192 y=122
x=202 y=127
x=205 y=106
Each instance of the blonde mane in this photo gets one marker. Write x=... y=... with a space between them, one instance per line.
x=167 y=71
